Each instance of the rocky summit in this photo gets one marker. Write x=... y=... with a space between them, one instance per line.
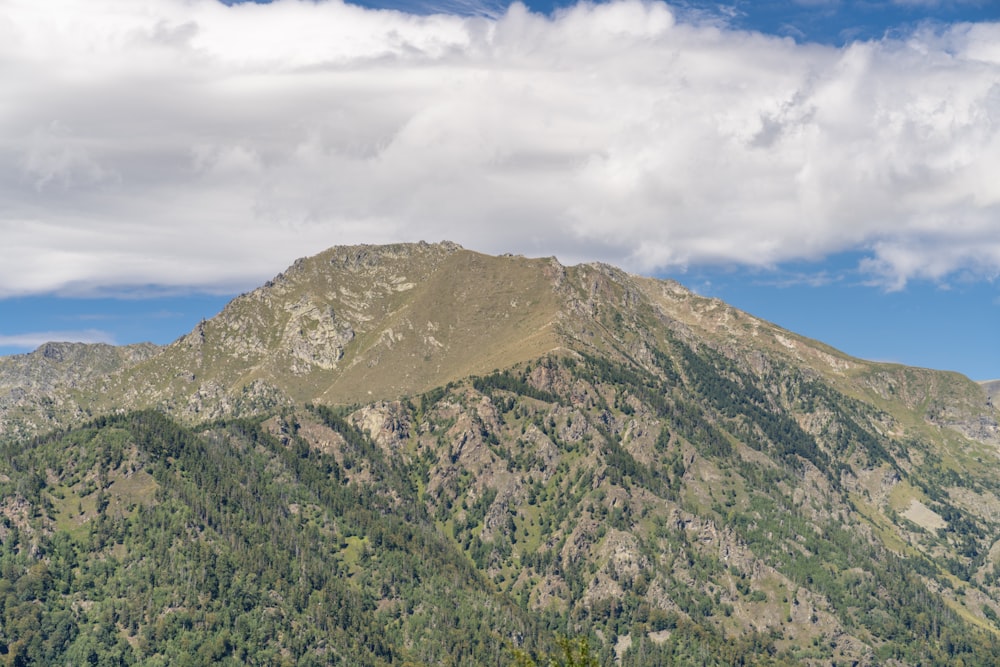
x=421 y=455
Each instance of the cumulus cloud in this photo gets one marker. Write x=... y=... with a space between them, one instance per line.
x=186 y=143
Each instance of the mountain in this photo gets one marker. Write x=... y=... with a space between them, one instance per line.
x=36 y=389
x=418 y=454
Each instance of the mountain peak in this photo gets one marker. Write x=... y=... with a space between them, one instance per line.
x=378 y=322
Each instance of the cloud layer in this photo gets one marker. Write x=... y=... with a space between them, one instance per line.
x=184 y=143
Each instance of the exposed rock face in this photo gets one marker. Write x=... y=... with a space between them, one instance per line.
x=388 y=424
x=315 y=337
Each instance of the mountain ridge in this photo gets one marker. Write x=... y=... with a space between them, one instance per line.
x=351 y=316
x=609 y=455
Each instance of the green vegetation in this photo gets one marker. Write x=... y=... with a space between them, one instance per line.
x=136 y=540
x=243 y=558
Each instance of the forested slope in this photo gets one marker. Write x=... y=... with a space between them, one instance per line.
x=574 y=496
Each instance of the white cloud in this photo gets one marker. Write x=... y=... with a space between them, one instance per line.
x=187 y=143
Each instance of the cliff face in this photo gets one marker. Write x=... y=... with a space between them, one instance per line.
x=605 y=453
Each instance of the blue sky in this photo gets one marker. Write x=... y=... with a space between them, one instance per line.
x=824 y=21
x=931 y=325
x=830 y=165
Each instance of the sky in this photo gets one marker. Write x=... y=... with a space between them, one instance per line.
x=832 y=166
